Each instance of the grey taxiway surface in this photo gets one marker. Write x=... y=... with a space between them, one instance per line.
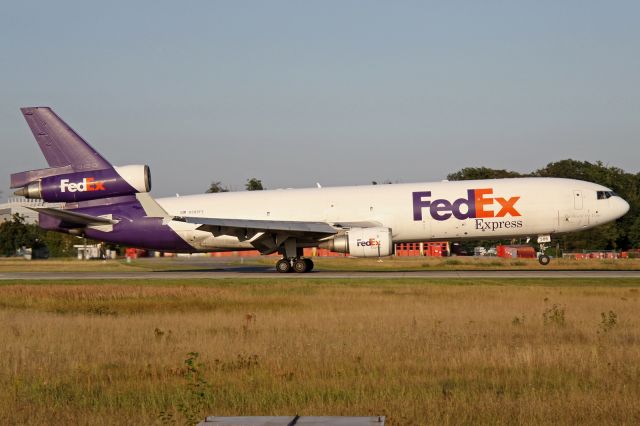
x=252 y=272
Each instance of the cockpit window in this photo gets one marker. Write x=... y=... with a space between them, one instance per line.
x=603 y=195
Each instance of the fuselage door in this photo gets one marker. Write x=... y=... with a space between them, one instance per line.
x=577 y=199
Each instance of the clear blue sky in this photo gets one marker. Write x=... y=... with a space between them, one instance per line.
x=343 y=92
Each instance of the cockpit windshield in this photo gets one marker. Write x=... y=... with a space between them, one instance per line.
x=603 y=195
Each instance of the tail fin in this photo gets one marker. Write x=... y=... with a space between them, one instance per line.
x=76 y=171
x=60 y=144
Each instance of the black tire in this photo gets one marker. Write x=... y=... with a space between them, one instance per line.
x=544 y=259
x=300 y=266
x=283 y=266
x=309 y=265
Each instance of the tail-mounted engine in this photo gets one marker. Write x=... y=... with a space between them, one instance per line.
x=83 y=186
x=362 y=242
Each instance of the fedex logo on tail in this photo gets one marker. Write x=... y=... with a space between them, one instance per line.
x=87 y=185
x=479 y=204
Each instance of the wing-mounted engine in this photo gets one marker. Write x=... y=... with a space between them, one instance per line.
x=362 y=242
x=52 y=186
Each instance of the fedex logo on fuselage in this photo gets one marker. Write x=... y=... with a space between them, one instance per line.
x=87 y=185
x=478 y=204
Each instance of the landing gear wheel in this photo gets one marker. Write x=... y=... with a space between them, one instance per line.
x=543 y=240
x=283 y=266
x=300 y=265
x=309 y=264
x=544 y=259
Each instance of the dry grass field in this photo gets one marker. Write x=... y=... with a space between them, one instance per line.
x=552 y=351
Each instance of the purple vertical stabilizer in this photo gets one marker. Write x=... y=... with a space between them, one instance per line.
x=59 y=143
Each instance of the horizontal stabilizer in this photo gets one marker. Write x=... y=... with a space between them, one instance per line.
x=74 y=218
x=59 y=143
x=25 y=178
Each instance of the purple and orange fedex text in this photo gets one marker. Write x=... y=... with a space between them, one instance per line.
x=87 y=184
x=479 y=205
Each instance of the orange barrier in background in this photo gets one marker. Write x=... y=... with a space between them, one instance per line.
x=513 y=251
x=434 y=249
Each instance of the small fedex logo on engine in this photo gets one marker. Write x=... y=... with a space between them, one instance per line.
x=479 y=204
x=87 y=185
x=371 y=242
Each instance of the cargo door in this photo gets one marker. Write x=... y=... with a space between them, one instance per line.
x=576 y=218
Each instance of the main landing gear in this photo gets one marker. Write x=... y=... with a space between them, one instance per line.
x=292 y=260
x=297 y=264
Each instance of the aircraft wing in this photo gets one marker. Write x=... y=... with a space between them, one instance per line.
x=267 y=236
x=218 y=226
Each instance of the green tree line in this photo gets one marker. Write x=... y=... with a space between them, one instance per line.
x=15 y=234
x=253 y=184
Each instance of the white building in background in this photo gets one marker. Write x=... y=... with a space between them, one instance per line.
x=20 y=206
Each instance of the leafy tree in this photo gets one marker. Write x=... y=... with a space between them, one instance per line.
x=634 y=232
x=15 y=234
x=216 y=187
x=59 y=244
x=254 y=184
x=473 y=173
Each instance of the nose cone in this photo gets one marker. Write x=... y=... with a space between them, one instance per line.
x=621 y=207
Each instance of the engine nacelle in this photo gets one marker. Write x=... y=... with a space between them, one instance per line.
x=362 y=242
x=90 y=185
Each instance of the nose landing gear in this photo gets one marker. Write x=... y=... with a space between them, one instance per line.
x=543 y=259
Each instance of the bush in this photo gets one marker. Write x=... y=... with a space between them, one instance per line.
x=554 y=316
x=609 y=320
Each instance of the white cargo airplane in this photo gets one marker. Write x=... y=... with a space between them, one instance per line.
x=112 y=204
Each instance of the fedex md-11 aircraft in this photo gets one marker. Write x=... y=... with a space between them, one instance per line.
x=113 y=204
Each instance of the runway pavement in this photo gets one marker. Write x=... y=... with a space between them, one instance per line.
x=258 y=272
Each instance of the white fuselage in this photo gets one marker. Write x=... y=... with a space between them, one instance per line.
x=478 y=209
